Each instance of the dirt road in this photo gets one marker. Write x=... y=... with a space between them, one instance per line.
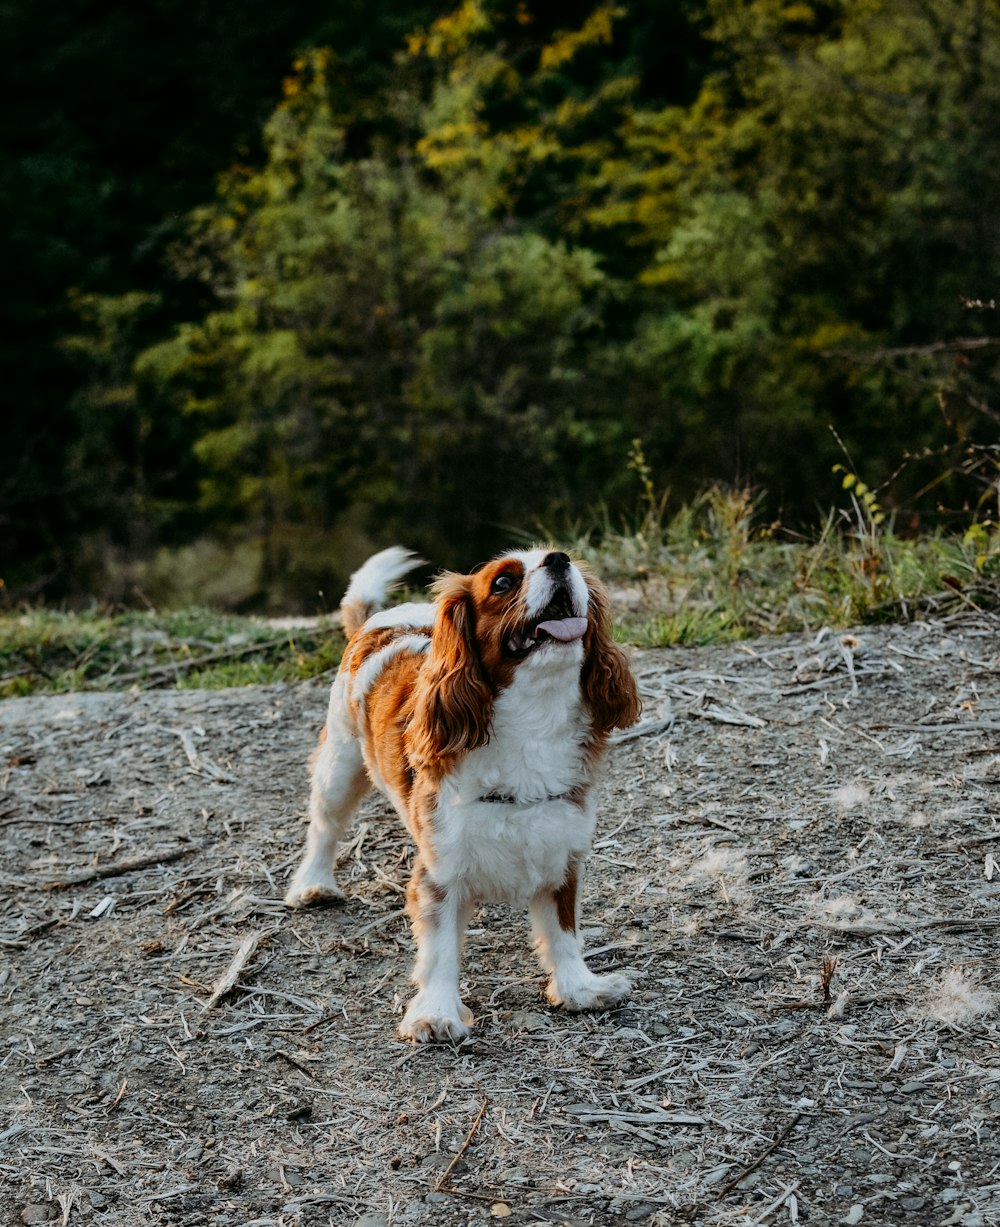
x=798 y=864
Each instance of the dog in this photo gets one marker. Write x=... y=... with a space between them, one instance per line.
x=483 y=718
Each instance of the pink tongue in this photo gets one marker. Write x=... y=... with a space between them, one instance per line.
x=565 y=630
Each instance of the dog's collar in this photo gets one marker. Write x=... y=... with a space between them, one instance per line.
x=503 y=798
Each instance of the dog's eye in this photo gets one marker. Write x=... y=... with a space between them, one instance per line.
x=503 y=583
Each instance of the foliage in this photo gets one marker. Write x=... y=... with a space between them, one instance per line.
x=811 y=227
x=115 y=124
x=440 y=304
x=389 y=345
x=713 y=571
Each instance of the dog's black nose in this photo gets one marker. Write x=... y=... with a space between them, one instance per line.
x=556 y=561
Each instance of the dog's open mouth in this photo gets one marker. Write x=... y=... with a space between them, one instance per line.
x=555 y=624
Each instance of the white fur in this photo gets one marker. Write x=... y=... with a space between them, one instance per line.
x=373 y=666
x=379 y=575
x=541 y=585
x=339 y=781
x=509 y=850
x=438 y=1011
x=414 y=613
x=571 y=982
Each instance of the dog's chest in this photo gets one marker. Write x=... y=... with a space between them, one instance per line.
x=514 y=813
x=536 y=746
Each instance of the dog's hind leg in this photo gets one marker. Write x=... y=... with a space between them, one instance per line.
x=339 y=781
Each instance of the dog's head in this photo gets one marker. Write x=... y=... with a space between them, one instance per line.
x=529 y=609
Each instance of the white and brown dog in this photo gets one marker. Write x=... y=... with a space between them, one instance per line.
x=482 y=718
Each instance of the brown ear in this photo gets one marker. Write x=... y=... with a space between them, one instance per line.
x=454 y=703
x=609 y=688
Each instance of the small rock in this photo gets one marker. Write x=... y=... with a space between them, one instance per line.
x=643 y=1211
x=913 y=1203
x=530 y=1020
x=39 y=1214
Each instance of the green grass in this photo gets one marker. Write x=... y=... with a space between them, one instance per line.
x=713 y=573
x=710 y=573
x=48 y=651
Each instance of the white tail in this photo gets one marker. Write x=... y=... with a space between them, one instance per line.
x=372 y=582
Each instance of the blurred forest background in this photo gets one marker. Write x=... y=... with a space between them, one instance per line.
x=287 y=283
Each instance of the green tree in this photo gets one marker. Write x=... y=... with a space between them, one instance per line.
x=395 y=353
x=116 y=122
x=811 y=226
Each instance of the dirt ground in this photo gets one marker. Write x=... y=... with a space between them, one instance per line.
x=797 y=865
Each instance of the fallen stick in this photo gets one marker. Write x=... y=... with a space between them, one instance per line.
x=731 y=1184
x=440 y=1186
x=227 y=982
x=116 y=868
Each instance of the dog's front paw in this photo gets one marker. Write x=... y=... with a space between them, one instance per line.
x=588 y=991
x=313 y=890
x=428 y=1019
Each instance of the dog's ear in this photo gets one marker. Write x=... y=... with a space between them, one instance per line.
x=609 y=688
x=454 y=703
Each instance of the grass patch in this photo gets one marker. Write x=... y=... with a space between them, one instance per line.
x=49 y=651
x=713 y=573
x=709 y=573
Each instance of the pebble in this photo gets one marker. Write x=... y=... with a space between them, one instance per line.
x=913 y=1203
x=39 y=1214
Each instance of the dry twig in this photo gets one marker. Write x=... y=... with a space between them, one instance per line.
x=441 y=1185
x=732 y=1184
x=117 y=868
x=227 y=982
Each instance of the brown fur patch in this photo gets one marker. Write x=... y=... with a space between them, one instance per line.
x=423 y=895
x=316 y=749
x=565 y=899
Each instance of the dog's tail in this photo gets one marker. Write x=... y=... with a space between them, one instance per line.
x=372 y=582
